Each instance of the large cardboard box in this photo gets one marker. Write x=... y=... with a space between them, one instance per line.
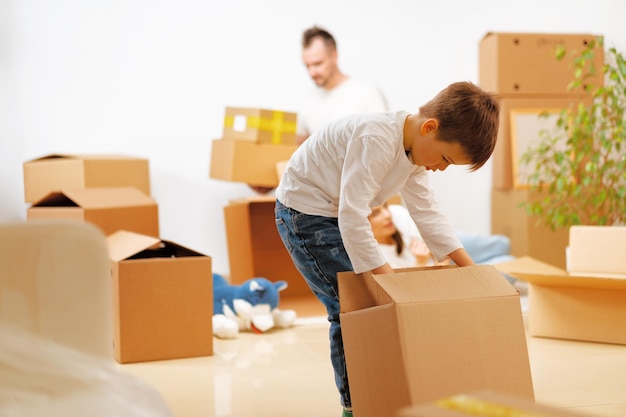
x=252 y=163
x=519 y=129
x=528 y=235
x=255 y=248
x=419 y=334
x=162 y=299
x=526 y=64
x=485 y=403
x=565 y=306
x=597 y=251
x=61 y=172
x=260 y=125
x=109 y=208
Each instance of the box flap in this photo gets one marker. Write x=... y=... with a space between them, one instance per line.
x=539 y=273
x=106 y=197
x=124 y=244
x=442 y=284
x=597 y=251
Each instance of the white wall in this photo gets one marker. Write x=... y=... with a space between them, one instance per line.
x=151 y=78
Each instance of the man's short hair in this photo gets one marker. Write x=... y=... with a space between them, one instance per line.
x=317 y=32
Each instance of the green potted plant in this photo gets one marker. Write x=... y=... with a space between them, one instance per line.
x=580 y=165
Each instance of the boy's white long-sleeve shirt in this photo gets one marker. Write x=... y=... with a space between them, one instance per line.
x=354 y=164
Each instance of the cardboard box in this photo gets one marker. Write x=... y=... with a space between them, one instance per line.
x=252 y=163
x=260 y=125
x=528 y=235
x=519 y=129
x=63 y=172
x=597 y=251
x=419 y=334
x=162 y=299
x=255 y=248
x=485 y=404
x=526 y=63
x=564 y=306
x=109 y=208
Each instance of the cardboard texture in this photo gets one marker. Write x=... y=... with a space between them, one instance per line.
x=528 y=236
x=597 y=251
x=260 y=125
x=252 y=163
x=419 y=334
x=507 y=152
x=255 y=248
x=61 y=172
x=565 y=306
x=162 y=299
x=109 y=208
x=526 y=64
x=485 y=403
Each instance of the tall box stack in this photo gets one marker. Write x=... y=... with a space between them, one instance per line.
x=254 y=141
x=110 y=191
x=522 y=69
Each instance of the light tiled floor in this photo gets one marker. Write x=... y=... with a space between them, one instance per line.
x=287 y=373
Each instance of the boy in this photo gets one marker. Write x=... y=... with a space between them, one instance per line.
x=358 y=162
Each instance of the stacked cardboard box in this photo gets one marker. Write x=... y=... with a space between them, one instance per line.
x=522 y=69
x=419 y=334
x=586 y=302
x=110 y=191
x=162 y=292
x=254 y=141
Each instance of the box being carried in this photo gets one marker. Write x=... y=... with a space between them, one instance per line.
x=252 y=163
x=419 y=334
x=57 y=172
x=162 y=299
x=526 y=63
x=260 y=125
x=109 y=208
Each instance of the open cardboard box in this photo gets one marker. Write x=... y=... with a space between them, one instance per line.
x=597 y=251
x=422 y=333
x=485 y=403
x=162 y=299
x=57 y=172
x=109 y=208
x=565 y=306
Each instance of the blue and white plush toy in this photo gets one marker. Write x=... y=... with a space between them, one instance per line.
x=251 y=306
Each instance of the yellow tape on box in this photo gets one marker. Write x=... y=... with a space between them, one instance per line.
x=259 y=125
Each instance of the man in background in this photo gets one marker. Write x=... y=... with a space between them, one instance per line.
x=336 y=94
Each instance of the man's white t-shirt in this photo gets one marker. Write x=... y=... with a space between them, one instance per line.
x=322 y=106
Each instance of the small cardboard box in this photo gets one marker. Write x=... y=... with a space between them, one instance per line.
x=420 y=334
x=162 y=299
x=519 y=129
x=486 y=403
x=564 y=306
x=527 y=236
x=62 y=172
x=597 y=251
x=252 y=163
x=255 y=248
x=260 y=125
x=109 y=208
x=526 y=63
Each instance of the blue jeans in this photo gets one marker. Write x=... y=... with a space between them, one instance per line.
x=317 y=251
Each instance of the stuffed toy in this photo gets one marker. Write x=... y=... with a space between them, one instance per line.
x=251 y=306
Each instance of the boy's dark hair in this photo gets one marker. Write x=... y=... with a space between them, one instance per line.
x=467 y=115
x=317 y=32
